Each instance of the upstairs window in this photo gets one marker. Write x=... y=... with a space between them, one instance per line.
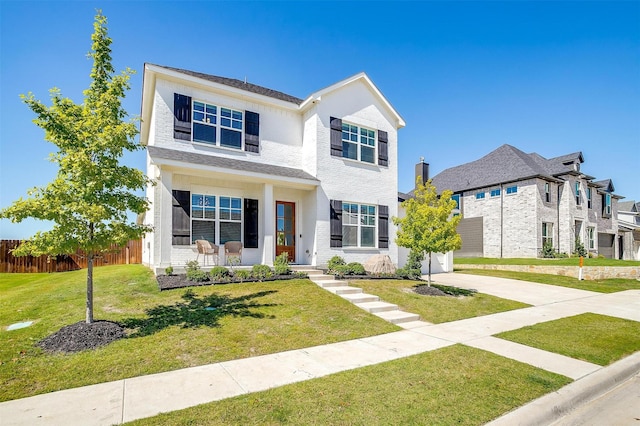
x=480 y=196
x=606 y=205
x=512 y=189
x=578 y=197
x=495 y=192
x=547 y=192
x=358 y=225
x=589 y=198
x=358 y=143
x=204 y=122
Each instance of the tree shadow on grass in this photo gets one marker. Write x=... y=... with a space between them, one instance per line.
x=195 y=312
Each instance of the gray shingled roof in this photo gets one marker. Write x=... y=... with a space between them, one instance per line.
x=505 y=164
x=227 y=163
x=238 y=84
x=629 y=206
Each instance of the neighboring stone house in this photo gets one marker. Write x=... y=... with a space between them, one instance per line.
x=629 y=233
x=234 y=161
x=512 y=203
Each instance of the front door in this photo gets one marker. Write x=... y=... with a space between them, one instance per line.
x=286 y=229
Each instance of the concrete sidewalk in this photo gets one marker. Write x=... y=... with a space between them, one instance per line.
x=145 y=396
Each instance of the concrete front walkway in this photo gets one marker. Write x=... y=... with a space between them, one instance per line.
x=145 y=396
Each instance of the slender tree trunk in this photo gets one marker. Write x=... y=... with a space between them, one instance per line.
x=90 y=288
x=429 y=269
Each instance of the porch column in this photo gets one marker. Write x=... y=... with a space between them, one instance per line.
x=162 y=234
x=268 y=242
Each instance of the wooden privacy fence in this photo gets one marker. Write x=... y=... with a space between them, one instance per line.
x=131 y=253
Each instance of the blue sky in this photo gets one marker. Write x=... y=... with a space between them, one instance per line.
x=546 y=77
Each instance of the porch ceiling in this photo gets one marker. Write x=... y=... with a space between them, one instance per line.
x=241 y=169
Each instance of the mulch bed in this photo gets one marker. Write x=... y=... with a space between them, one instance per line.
x=170 y=282
x=82 y=336
x=425 y=290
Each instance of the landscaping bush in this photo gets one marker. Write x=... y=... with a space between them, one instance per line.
x=242 y=275
x=580 y=249
x=412 y=270
x=261 y=272
x=548 y=251
x=353 y=268
x=197 y=275
x=192 y=265
x=334 y=262
x=168 y=270
x=281 y=264
x=219 y=272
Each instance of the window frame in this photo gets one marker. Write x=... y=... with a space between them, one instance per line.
x=510 y=190
x=547 y=233
x=606 y=207
x=480 y=195
x=217 y=220
x=494 y=193
x=359 y=143
x=357 y=222
x=589 y=198
x=591 y=237
x=547 y=192
x=218 y=125
x=578 y=195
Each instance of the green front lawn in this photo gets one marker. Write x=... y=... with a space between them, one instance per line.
x=456 y=385
x=435 y=309
x=568 y=261
x=610 y=285
x=590 y=337
x=175 y=330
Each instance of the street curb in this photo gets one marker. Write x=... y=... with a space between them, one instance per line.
x=551 y=407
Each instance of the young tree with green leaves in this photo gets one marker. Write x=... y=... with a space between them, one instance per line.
x=90 y=197
x=428 y=225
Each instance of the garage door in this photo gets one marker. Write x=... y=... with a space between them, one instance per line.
x=470 y=231
x=605 y=245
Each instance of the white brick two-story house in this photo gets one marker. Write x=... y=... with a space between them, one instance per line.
x=233 y=161
x=512 y=203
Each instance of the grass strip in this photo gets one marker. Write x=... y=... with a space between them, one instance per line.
x=173 y=329
x=594 y=338
x=436 y=309
x=610 y=285
x=457 y=385
x=567 y=261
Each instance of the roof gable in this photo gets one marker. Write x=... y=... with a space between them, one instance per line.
x=360 y=77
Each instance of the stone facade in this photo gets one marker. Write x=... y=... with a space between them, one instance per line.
x=588 y=272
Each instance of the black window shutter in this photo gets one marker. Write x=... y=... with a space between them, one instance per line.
x=383 y=227
x=182 y=117
x=250 y=223
x=336 y=137
x=251 y=131
x=336 y=223
x=180 y=218
x=383 y=151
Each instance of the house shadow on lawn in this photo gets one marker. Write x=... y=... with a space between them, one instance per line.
x=196 y=311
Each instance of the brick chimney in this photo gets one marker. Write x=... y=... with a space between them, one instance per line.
x=422 y=171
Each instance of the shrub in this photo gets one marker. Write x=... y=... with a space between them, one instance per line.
x=300 y=274
x=334 y=262
x=353 y=268
x=168 y=270
x=242 y=275
x=261 y=272
x=580 y=250
x=197 y=275
x=548 y=251
x=219 y=272
x=192 y=265
x=281 y=264
x=408 y=274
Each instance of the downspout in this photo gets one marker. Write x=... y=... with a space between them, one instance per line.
x=558 y=210
x=501 y=219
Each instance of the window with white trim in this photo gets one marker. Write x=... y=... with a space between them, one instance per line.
x=591 y=237
x=217 y=219
x=495 y=192
x=358 y=143
x=589 y=198
x=479 y=195
x=216 y=125
x=358 y=225
x=547 y=234
x=578 y=197
x=606 y=205
x=512 y=189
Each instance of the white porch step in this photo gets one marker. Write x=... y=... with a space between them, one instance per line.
x=379 y=306
x=397 y=317
x=360 y=297
x=328 y=284
x=414 y=324
x=343 y=289
x=322 y=277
